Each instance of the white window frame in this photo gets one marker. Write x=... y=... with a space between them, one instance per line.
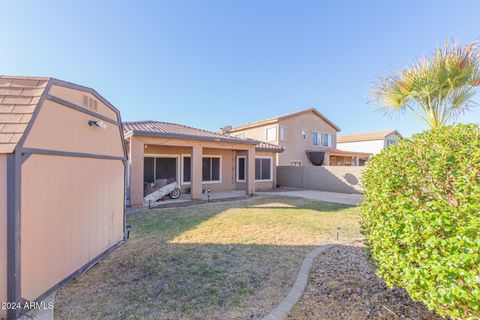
x=301 y=134
x=238 y=166
x=271 y=168
x=183 y=182
x=331 y=136
x=159 y=155
x=191 y=173
x=319 y=140
x=285 y=134
x=240 y=135
x=299 y=161
x=275 y=135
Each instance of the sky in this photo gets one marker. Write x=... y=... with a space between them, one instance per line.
x=209 y=64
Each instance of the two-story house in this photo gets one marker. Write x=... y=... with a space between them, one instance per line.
x=307 y=136
x=372 y=142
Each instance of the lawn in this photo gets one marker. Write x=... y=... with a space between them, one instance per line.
x=225 y=260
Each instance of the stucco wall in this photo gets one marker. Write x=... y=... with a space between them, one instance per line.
x=372 y=146
x=343 y=179
x=259 y=133
x=295 y=146
x=228 y=171
x=3 y=231
x=262 y=185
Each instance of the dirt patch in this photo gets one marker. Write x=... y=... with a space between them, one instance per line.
x=343 y=285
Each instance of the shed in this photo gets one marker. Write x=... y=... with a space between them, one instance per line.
x=62 y=184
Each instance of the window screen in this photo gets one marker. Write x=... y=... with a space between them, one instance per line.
x=263 y=168
x=315 y=136
x=241 y=169
x=271 y=134
x=166 y=168
x=149 y=170
x=187 y=169
x=211 y=169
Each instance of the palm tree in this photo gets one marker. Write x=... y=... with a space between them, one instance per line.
x=436 y=89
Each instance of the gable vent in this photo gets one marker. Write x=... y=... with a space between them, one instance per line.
x=90 y=103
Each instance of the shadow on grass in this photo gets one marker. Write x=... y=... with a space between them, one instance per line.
x=153 y=277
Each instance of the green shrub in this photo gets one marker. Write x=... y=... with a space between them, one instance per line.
x=421 y=218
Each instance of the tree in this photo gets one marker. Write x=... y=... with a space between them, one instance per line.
x=435 y=90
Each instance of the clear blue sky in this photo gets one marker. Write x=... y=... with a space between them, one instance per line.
x=212 y=63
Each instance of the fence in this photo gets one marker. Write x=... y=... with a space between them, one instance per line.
x=343 y=179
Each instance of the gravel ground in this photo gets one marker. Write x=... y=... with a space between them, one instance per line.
x=342 y=285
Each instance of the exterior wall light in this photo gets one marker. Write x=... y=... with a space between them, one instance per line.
x=99 y=124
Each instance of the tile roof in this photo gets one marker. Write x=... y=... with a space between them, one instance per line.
x=175 y=130
x=337 y=152
x=265 y=146
x=367 y=136
x=19 y=97
x=277 y=118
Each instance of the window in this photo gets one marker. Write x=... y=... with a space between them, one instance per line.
x=187 y=170
x=296 y=163
x=316 y=138
x=161 y=167
x=211 y=169
x=322 y=139
x=390 y=142
x=271 y=134
x=240 y=135
x=303 y=134
x=241 y=168
x=283 y=134
x=326 y=140
x=263 y=168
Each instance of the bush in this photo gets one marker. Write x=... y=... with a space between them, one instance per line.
x=421 y=218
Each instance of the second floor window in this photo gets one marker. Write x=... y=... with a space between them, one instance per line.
x=327 y=140
x=322 y=139
x=303 y=134
x=283 y=134
x=271 y=134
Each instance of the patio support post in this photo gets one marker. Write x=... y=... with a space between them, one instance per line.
x=251 y=171
x=196 y=172
x=326 y=161
x=135 y=159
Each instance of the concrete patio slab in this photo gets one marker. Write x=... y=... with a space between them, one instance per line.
x=344 y=198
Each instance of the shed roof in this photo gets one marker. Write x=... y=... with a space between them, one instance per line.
x=19 y=97
x=180 y=131
x=285 y=116
x=367 y=136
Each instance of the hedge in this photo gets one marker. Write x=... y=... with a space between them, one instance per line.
x=421 y=218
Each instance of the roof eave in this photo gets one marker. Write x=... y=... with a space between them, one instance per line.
x=130 y=133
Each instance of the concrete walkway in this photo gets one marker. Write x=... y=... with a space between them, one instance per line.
x=344 y=198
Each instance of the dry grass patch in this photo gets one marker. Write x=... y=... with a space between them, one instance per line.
x=230 y=260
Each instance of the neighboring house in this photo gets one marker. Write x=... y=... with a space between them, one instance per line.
x=308 y=137
x=62 y=185
x=196 y=159
x=372 y=142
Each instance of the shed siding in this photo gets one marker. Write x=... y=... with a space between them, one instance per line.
x=62 y=231
x=77 y=97
x=3 y=231
x=61 y=128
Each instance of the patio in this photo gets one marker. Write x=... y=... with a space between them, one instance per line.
x=186 y=199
